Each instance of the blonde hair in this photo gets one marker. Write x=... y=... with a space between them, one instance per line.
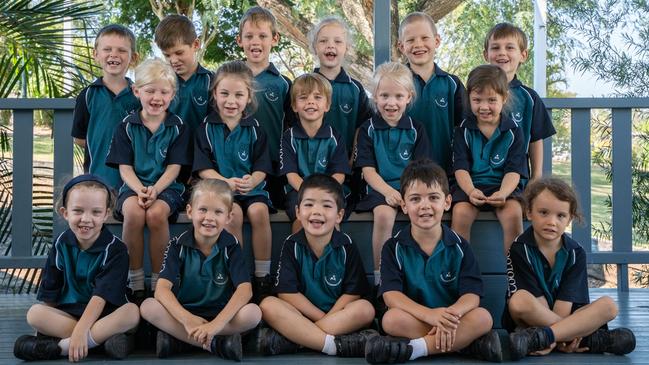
x=215 y=186
x=396 y=72
x=417 y=16
x=308 y=83
x=257 y=15
x=330 y=20
x=154 y=70
x=243 y=72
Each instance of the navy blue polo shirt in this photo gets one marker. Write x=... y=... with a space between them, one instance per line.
x=274 y=111
x=97 y=112
x=73 y=276
x=192 y=100
x=150 y=153
x=528 y=269
x=438 y=280
x=438 y=105
x=233 y=153
x=202 y=284
x=488 y=160
x=323 y=280
x=390 y=149
x=528 y=111
x=324 y=153
x=350 y=106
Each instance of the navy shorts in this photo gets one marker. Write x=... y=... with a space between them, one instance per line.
x=275 y=186
x=173 y=199
x=208 y=313
x=245 y=201
x=459 y=195
x=370 y=201
x=76 y=309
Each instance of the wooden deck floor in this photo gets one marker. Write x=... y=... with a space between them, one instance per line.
x=634 y=313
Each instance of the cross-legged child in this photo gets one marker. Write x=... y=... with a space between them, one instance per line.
x=506 y=47
x=430 y=281
x=101 y=106
x=312 y=145
x=386 y=143
x=83 y=284
x=320 y=282
x=548 y=306
x=488 y=158
x=257 y=36
x=204 y=287
x=231 y=146
x=439 y=103
x=149 y=148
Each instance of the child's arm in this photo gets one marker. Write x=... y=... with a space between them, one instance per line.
x=166 y=297
x=80 y=119
x=51 y=277
x=288 y=161
x=507 y=186
x=462 y=166
x=302 y=304
x=536 y=159
x=261 y=164
x=476 y=196
x=541 y=129
x=294 y=180
x=341 y=303
x=373 y=179
x=79 y=338
x=338 y=165
x=458 y=101
x=340 y=177
x=435 y=317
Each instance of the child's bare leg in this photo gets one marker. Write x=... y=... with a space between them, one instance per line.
x=261 y=233
x=247 y=318
x=296 y=226
x=155 y=313
x=133 y=231
x=511 y=219
x=384 y=216
x=585 y=320
x=528 y=310
x=236 y=224
x=157 y=221
x=121 y=320
x=288 y=321
x=354 y=316
x=463 y=216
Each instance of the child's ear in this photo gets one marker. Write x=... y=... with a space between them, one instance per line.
x=524 y=55
x=238 y=40
x=437 y=40
x=188 y=210
x=447 y=203
x=196 y=44
x=340 y=216
x=135 y=58
x=63 y=212
x=276 y=38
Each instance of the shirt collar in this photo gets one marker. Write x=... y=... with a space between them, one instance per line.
x=437 y=72
x=215 y=118
x=379 y=123
x=449 y=237
x=527 y=238
x=105 y=238
x=202 y=70
x=272 y=69
x=515 y=82
x=225 y=239
x=338 y=238
x=170 y=120
x=99 y=82
x=506 y=123
x=342 y=76
x=323 y=132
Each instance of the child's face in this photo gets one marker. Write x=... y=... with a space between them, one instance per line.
x=182 y=58
x=209 y=215
x=86 y=212
x=486 y=105
x=318 y=212
x=257 y=40
x=392 y=100
x=331 y=46
x=113 y=54
x=425 y=205
x=232 y=96
x=419 y=43
x=549 y=216
x=154 y=97
x=505 y=53
x=311 y=107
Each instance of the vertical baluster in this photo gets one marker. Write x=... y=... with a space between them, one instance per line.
x=21 y=231
x=622 y=190
x=580 y=167
x=63 y=158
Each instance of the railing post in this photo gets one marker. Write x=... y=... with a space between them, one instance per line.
x=622 y=124
x=63 y=159
x=382 y=32
x=21 y=218
x=580 y=169
x=547 y=153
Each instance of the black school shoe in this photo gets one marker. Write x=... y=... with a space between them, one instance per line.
x=227 y=347
x=119 y=346
x=271 y=342
x=525 y=341
x=619 y=341
x=167 y=345
x=486 y=347
x=32 y=348
x=387 y=350
x=353 y=344
x=262 y=287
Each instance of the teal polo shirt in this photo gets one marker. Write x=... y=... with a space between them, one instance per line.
x=150 y=153
x=390 y=149
x=325 y=153
x=488 y=160
x=97 y=113
x=235 y=153
x=73 y=276
x=192 y=100
x=322 y=280
x=528 y=111
x=273 y=111
x=204 y=284
x=434 y=281
x=350 y=106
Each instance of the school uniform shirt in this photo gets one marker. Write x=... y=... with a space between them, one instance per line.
x=438 y=106
x=150 y=153
x=324 y=153
x=73 y=276
x=350 y=106
x=438 y=280
x=338 y=271
x=97 y=112
x=488 y=160
x=232 y=153
x=390 y=149
x=192 y=100
x=202 y=284
x=528 y=269
x=273 y=111
x=529 y=112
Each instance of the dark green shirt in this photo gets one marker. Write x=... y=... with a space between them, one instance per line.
x=192 y=100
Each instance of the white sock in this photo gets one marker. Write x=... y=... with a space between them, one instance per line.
x=329 y=346
x=136 y=279
x=419 y=348
x=64 y=344
x=262 y=268
x=154 y=280
x=377 y=277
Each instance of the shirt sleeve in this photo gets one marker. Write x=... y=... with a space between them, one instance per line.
x=237 y=265
x=179 y=152
x=422 y=145
x=287 y=271
x=470 y=279
x=289 y=115
x=111 y=281
x=202 y=150
x=516 y=158
x=461 y=152
x=364 y=154
x=81 y=116
x=287 y=155
x=574 y=281
x=542 y=126
x=171 y=262
x=364 y=107
x=260 y=156
x=51 y=279
x=520 y=273
x=391 y=274
x=459 y=102
x=121 y=149
x=338 y=161
x=355 y=280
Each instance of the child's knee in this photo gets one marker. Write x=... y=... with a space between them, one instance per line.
x=35 y=314
x=131 y=314
x=520 y=303
x=156 y=217
x=384 y=216
x=392 y=321
x=481 y=320
x=251 y=313
x=258 y=214
x=268 y=305
x=150 y=309
x=609 y=307
x=363 y=311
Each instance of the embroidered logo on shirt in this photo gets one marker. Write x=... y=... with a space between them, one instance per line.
x=441 y=102
x=345 y=108
x=517 y=117
x=243 y=153
x=220 y=279
x=163 y=152
x=271 y=94
x=199 y=100
x=496 y=160
x=447 y=277
x=323 y=162
x=405 y=155
x=333 y=279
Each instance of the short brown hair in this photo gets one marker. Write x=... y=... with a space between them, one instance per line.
x=257 y=15
x=308 y=83
x=120 y=30
x=426 y=171
x=485 y=76
x=559 y=188
x=174 y=29
x=503 y=30
x=417 y=16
